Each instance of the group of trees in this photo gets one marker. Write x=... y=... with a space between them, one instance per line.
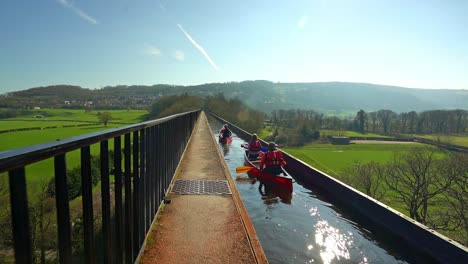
x=431 y=186
x=230 y=109
x=174 y=104
x=383 y=121
x=428 y=122
x=302 y=126
x=295 y=127
x=235 y=111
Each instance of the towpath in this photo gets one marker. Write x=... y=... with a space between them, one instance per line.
x=203 y=228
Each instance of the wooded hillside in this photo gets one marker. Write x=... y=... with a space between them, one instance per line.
x=330 y=97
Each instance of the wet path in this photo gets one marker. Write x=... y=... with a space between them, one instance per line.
x=303 y=228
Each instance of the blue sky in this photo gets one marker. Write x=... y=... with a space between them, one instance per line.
x=419 y=43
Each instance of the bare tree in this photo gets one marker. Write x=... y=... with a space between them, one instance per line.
x=42 y=216
x=461 y=120
x=6 y=235
x=386 y=117
x=373 y=118
x=457 y=194
x=368 y=177
x=105 y=117
x=416 y=177
x=412 y=121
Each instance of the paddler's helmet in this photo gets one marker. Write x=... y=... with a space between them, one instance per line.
x=272 y=146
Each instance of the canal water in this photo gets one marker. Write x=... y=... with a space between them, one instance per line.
x=301 y=228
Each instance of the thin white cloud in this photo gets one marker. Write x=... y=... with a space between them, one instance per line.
x=153 y=51
x=77 y=11
x=179 y=55
x=200 y=48
x=302 y=22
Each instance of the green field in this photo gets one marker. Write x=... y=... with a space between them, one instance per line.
x=43 y=170
x=333 y=159
x=124 y=116
x=267 y=130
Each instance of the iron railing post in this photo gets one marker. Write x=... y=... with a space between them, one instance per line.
x=119 y=248
x=128 y=202
x=105 y=195
x=87 y=196
x=20 y=216
x=136 y=188
x=63 y=210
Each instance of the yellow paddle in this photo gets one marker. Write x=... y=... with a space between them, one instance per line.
x=243 y=169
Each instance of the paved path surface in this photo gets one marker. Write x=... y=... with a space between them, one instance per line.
x=203 y=228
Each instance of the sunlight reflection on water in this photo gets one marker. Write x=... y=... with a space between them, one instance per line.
x=333 y=244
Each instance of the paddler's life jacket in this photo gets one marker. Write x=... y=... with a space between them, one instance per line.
x=273 y=158
x=255 y=146
x=226 y=132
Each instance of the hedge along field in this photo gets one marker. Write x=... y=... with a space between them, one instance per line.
x=267 y=130
x=15 y=124
x=347 y=133
x=452 y=139
x=333 y=159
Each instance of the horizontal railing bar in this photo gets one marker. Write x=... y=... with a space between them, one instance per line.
x=21 y=157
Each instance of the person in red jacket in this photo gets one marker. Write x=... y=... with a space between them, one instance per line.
x=254 y=148
x=272 y=160
x=225 y=131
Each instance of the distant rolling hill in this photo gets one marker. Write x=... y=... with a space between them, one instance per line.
x=326 y=97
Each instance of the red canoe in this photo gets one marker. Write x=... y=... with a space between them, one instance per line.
x=283 y=180
x=225 y=140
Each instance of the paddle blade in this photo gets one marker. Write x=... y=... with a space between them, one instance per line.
x=263 y=149
x=243 y=169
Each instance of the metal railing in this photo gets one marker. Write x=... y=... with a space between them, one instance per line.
x=150 y=153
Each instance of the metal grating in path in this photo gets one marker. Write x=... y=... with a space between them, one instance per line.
x=201 y=187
